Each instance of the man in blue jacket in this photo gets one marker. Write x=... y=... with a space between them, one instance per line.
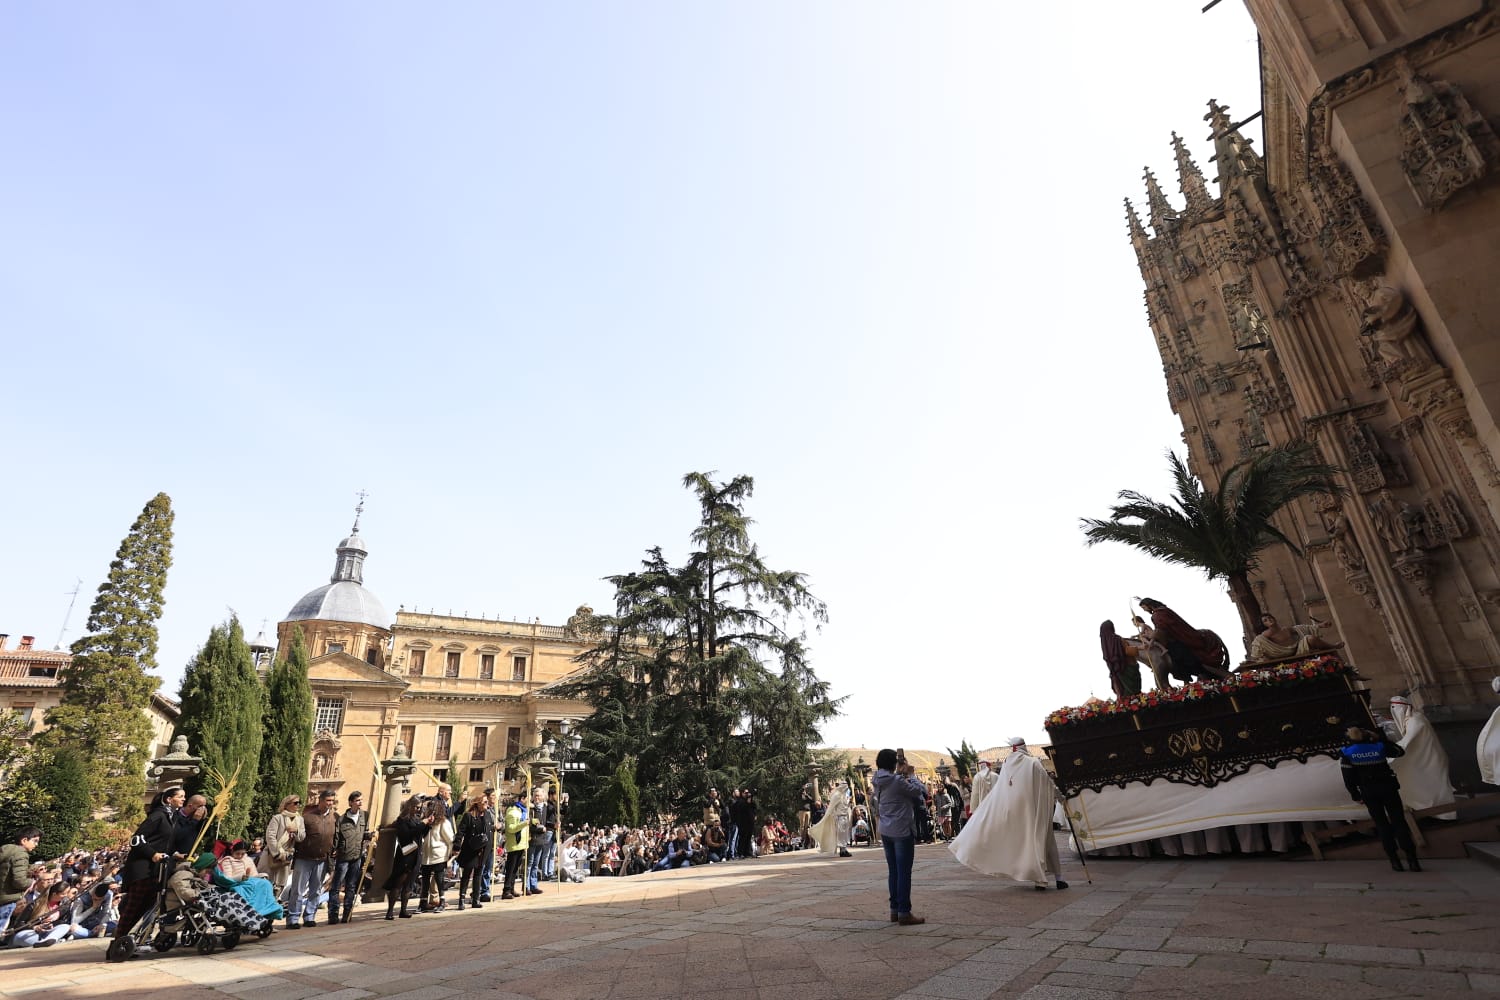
x=899 y=794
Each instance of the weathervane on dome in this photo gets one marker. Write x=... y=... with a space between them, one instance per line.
x=358 y=511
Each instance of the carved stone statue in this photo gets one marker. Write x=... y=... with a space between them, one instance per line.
x=401 y=750
x=1390 y=321
x=1345 y=548
x=1413 y=525
x=1387 y=518
x=179 y=747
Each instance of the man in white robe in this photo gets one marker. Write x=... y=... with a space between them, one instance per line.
x=1423 y=772
x=983 y=783
x=1010 y=833
x=832 y=831
x=1488 y=747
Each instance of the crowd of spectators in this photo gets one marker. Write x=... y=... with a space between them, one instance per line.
x=69 y=898
x=314 y=856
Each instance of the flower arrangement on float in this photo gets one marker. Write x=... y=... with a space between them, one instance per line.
x=1246 y=680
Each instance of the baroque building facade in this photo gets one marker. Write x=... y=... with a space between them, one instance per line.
x=452 y=690
x=1341 y=288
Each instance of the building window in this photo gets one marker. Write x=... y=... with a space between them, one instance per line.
x=409 y=737
x=444 y=746
x=518 y=668
x=486 y=666
x=370 y=655
x=335 y=647
x=329 y=716
x=441 y=774
x=512 y=741
x=476 y=775
x=418 y=662
x=450 y=667
x=25 y=712
x=481 y=738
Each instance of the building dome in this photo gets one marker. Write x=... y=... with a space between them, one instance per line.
x=341 y=601
x=344 y=598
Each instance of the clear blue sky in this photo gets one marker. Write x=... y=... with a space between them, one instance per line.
x=515 y=268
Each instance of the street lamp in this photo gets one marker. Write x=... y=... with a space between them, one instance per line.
x=863 y=770
x=564 y=754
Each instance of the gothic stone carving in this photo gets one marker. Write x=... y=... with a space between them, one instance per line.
x=1369 y=464
x=1245 y=317
x=1391 y=324
x=1445 y=144
x=1351 y=239
x=1345 y=548
x=1415 y=568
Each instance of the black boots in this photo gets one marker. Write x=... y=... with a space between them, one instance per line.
x=1396 y=864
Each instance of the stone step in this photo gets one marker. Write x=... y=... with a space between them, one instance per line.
x=1487 y=852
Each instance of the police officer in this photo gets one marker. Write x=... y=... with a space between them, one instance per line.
x=1370 y=780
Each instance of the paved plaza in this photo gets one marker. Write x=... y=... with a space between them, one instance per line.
x=805 y=927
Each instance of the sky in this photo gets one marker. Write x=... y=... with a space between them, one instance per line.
x=514 y=269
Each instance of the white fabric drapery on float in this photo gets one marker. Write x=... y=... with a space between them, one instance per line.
x=1138 y=812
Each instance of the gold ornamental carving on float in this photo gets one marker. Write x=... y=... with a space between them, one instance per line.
x=1195 y=745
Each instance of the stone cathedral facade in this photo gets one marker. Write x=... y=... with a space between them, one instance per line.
x=1344 y=287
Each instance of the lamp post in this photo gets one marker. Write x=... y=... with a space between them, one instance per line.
x=863 y=770
x=564 y=753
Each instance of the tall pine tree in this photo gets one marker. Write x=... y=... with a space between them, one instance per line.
x=701 y=674
x=286 y=749
x=106 y=689
x=223 y=706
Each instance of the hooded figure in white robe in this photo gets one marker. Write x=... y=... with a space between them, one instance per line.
x=1488 y=747
x=983 y=783
x=1010 y=833
x=831 y=833
x=1423 y=771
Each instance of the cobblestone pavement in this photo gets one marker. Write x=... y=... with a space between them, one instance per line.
x=805 y=927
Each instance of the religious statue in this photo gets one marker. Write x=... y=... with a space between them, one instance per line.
x=1345 y=548
x=1392 y=324
x=1413 y=525
x=400 y=750
x=1387 y=518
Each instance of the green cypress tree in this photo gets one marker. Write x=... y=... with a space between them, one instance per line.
x=222 y=710
x=286 y=750
x=106 y=689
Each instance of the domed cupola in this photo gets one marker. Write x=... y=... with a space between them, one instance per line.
x=345 y=598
